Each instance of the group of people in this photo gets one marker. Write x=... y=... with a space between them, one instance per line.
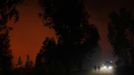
x=96 y=68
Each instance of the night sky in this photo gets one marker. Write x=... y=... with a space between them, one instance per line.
x=29 y=32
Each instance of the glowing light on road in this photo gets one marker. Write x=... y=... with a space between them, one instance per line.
x=103 y=68
x=110 y=67
x=106 y=69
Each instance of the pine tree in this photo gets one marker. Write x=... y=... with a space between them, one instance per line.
x=43 y=58
x=7 y=11
x=76 y=37
x=120 y=34
x=19 y=64
x=121 y=37
x=29 y=63
x=28 y=70
x=5 y=52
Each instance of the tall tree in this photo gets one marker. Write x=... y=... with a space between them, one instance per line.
x=28 y=70
x=29 y=63
x=7 y=11
x=76 y=37
x=121 y=36
x=19 y=63
x=46 y=55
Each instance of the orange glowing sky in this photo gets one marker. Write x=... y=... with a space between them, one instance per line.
x=29 y=32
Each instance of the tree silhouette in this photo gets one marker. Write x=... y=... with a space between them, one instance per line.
x=121 y=37
x=5 y=52
x=19 y=63
x=29 y=63
x=43 y=57
x=28 y=69
x=76 y=37
x=7 y=11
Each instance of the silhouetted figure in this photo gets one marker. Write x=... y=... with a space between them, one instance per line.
x=95 y=67
x=98 y=67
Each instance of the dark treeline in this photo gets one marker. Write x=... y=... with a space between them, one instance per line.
x=77 y=39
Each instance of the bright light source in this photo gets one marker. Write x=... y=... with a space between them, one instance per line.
x=103 y=67
x=110 y=67
x=106 y=69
